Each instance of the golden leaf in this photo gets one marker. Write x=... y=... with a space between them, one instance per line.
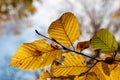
x=110 y=61
x=47 y=75
x=72 y=65
x=98 y=70
x=105 y=68
x=83 y=45
x=44 y=75
x=114 y=66
x=115 y=74
x=35 y=55
x=88 y=76
x=65 y=30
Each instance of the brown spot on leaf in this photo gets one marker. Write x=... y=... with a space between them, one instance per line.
x=105 y=68
x=20 y=63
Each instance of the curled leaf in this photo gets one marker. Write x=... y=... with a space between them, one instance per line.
x=83 y=45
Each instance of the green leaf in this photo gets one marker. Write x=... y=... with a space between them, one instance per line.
x=104 y=41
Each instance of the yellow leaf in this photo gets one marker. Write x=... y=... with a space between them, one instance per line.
x=115 y=74
x=105 y=68
x=98 y=70
x=73 y=64
x=113 y=67
x=65 y=30
x=47 y=75
x=44 y=75
x=105 y=41
x=83 y=45
x=88 y=76
x=110 y=61
x=35 y=55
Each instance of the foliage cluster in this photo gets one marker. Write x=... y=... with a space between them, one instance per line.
x=66 y=61
x=19 y=7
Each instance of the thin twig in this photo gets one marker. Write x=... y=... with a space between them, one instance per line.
x=42 y=35
x=89 y=68
x=64 y=46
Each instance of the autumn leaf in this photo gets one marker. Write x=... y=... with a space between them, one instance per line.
x=113 y=67
x=115 y=74
x=44 y=75
x=35 y=55
x=98 y=70
x=104 y=41
x=47 y=75
x=88 y=76
x=72 y=65
x=105 y=68
x=83 y=45
x=105 y=71
x=110 y=61
x=65 y=30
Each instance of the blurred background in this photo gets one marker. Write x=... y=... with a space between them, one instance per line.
x=20 y=18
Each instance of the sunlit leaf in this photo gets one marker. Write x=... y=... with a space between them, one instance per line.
x=83 y=45
x=98 y=70
x=113 y=67
x=65 y=29
x=47 y=75
x=44 y=75
x=110 y=61
x=102 y=70
x=105 y=68
x=35 y=55
x=115 y=74
x=105 y=41
x=73 y=64
x=88 y=76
